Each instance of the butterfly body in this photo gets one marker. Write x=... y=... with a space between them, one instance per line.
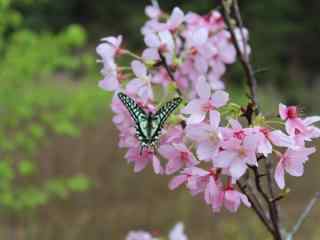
x=148 y=125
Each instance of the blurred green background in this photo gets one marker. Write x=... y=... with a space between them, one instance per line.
x=61 y=173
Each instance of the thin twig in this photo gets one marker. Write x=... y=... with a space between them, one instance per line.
x=303 y=216
x=274 y=207
x=170 y=73
x=271 y=204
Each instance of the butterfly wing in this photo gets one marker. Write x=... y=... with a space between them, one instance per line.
x=138 y=115
x=136 y=112
x=161 y=116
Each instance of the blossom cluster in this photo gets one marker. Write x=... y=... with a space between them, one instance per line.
x=205 y=144
x=176 y=233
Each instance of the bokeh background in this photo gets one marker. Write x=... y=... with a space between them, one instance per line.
x=61 y=173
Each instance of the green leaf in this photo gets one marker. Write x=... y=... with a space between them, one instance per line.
x=26 y=168
x=79 y=184
x=6 y=170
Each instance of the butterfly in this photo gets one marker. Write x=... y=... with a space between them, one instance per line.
x=148 y=125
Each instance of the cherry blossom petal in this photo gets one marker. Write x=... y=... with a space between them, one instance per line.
x=152 y=40
x=196 y=118
x=176 y=18
x=198 y=132
x=167 y=39
x=199 y=36
x=140 y=164
x=177 y=181
x=280 y=139
x=283 y=111
x=193 y=107
x=237 y=168
x=139 y=69
x=203 y=88
x=311 y=120
x=157 y=168
x=294 y=168
x=150 y=54
x=109 y=84
x=227 y=53
x=232 y=200
x=153 y=11
x=251 y=142
x=201 y=65
x=224 y=159
x=279 y=175
x=167 y=151
x=220 y=98
x=235 y=124
x=133 y=86
x=113 y=41
x=214 y=119
x=206 y=150
x=173 y=166
x=245 y=200
x=177 y=233
x=105 y=50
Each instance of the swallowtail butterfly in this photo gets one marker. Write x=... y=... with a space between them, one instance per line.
x=148 y=125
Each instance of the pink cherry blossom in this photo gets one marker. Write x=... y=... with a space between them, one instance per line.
x=226 y=51
x=233 y=199
x=159 y=42
x=197 y=37
x=311 y=132
x=178 y=155
x=139 y=235
x=237 y=154
x=108 y=50
x=142 y=84
x=291 y=116
x=110 y=73
x=276 y=137
x=217 y=196
x=173 y=134
x=140 y=160
x=228 y=197
x=196 y=179
x=175 y=20
x=206 y=103
x=207 y=150
x=153 y=11
x=292 y=162
x=172 y=24
x=209 y=136
x=110 y=47
x=122 y=118
x=177 y=232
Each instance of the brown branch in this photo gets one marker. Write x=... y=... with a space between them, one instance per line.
x=255 y=204
x=271 y=204
x=163 y=62
x=274 y=206
x=231 y=6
